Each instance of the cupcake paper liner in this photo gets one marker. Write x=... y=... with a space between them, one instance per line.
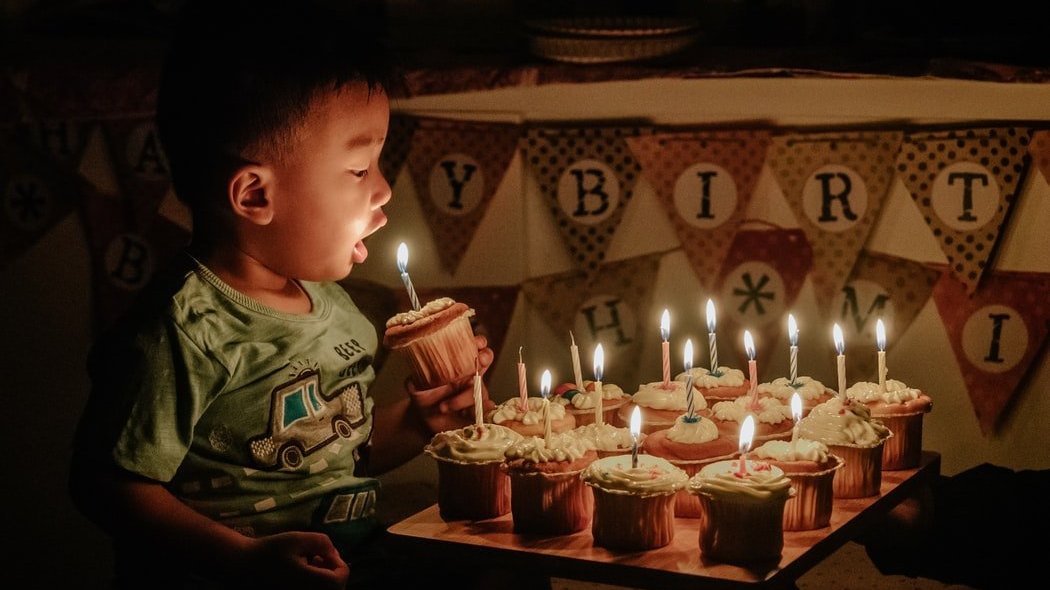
x=632 y=522
x=811 y=506
x=550 y=503
x=861 y=476
x=472 y=491
x=741 y=531
x=446 y=355
x=904 y=449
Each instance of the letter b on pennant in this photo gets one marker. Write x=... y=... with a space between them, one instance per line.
x=129 y=261
x=589 y=192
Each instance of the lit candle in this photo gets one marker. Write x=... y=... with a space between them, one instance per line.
x=599 y=370
x=752 y=367
x=523 y=393
x=478 y=418
x=576 y=362
x=688 y=362
x=402 y=265
x=712 y=343
x=796 y=413
x=636 y=429
x=793 y=337
x=665 y=333
x=747 y=432
x=840 y=347
x=880 y=341
x=545 y=390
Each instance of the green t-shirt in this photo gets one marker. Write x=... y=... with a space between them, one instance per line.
x=251 y=416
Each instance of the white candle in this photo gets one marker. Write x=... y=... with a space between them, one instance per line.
x=747 y=432
x=880 y=341
x=665 y=333
x=840 y=347
x=796 y=413
x=793 y=337
x=636 y=429
x=599 y=370
x=752 y=367
x=478 y=418
x=576 y=362
x=402 y=265
x=523 y=392
x=545 y=390
x=688 y=363
x=712 y=343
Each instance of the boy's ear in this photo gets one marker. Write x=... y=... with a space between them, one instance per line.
x=249 y=192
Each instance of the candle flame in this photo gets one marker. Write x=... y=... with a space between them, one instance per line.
x=665 y=325
x=599 y=362
x=636 y=422
x=545 y=384
x=749 y=345
x=688 y=354
x=792 y=330
x=840 y=343
x=880 y=335
x=710 y=316
x=402 y=257
x=796 y=406
x=747 y=432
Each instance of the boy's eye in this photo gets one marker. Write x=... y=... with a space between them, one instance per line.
x=359 y=173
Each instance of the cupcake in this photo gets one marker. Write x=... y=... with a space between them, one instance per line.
x=743 y=514
x=633 y=506
x=690 y=445
x=661 y=407
x=547 y=495
x=811 y=470
x=728 y=385
x=438 y=339
x=849 y=431
x=606 y=440
x=471 y=484
x=529 y=421
x=581 y=404
x=901 y=409
x=772 y=418
x=811 y=391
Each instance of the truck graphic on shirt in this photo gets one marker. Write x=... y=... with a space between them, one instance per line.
x=303 y=420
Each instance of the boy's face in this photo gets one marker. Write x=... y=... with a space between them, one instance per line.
x=328 y=191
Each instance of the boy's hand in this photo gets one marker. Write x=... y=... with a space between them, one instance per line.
x=296 y=559
x=452 y=406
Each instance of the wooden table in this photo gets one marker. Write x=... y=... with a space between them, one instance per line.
x=678 y=565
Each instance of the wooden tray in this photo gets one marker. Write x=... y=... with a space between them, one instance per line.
x=678 y=565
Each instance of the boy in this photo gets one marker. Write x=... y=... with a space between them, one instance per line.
x=223 y=439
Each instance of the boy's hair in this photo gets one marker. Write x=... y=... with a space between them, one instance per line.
x=240 y=76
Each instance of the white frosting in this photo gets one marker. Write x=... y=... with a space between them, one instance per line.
x=692 y=433
x=896 y=392
x=407 y=317
x=797 y=450
x=536 y=449
x=510 y=410
x=808 y=388
x=654 y=396
x=703 y=378
x=586 y=400
x=836 y=423
x=605 y=437
x=770 y=410
x=472 y=444
x=763 y=482
x=653 y=475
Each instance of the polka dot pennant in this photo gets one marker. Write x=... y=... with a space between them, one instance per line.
x=612 y=309
x=704 y=181
x=395 y=148
x=996 y=334
x=587 y=176
x=964 y=182
x=456 y=167
x=139 y=162
x=835 y=183
x=880 y=287
x=763 y=273
x=64 y=140
x=1040 y=150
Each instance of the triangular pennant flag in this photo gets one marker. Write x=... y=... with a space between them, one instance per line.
x=395 y=148
x=996 y=335
x=835 y=183
x=761 y=278
x=37 y=194
x=139 y=162
x=587 y=175
x=64 y=140
x=704 y=181
x=612 y=309
x=124 y=253
x=1040 y=150
x=881 y=287
x=457 y=166
x=965 y=182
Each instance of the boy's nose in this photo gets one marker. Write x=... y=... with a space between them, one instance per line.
x=383 y=192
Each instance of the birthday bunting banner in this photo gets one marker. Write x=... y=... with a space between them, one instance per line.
x=996 y=334
x=965 y=182
x=761 y=278
x=456 y=167
x=139 y=162
x=1040 y=151
x=880 y=287
x=587 y=175
x=704 y=181
x=395 y=148
x=835 y=183
x=64 y=140
x=611 y=309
